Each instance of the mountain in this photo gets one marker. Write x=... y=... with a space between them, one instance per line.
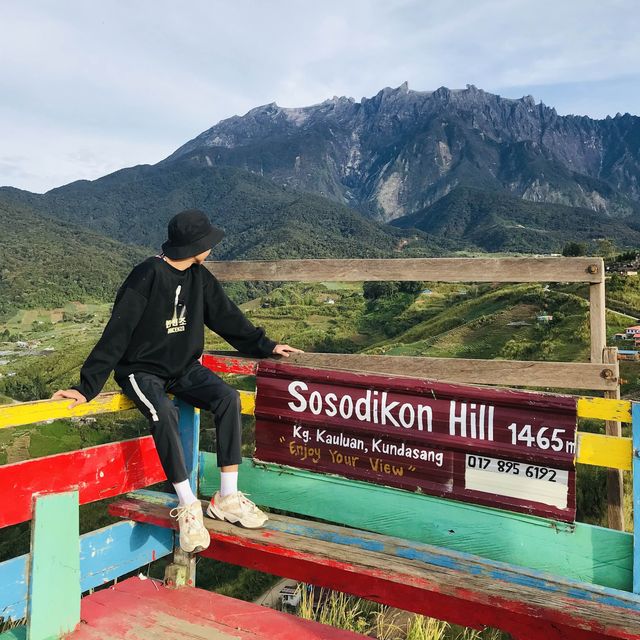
x=400 y=151
x=44 y=262
x=260 y=218
x=450 y=169
x=499 y=221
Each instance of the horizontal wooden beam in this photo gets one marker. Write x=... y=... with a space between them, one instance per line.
x=442 y=583
x=105 y=554
x=579 y=551
x=559 y=375
x=430 y=269
x=98 y=472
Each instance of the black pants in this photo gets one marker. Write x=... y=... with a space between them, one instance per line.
x=201 y=388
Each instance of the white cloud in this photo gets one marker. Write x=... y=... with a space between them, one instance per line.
x=129 y=82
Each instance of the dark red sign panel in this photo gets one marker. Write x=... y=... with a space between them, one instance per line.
x=509 y=449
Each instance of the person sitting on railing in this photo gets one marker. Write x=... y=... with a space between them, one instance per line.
x=153 y=342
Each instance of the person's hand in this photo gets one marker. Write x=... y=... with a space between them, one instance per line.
x=285 y=350
x=69 y=393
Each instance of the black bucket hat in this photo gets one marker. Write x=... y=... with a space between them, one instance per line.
x=190 y=233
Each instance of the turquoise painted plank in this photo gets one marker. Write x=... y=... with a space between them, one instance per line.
x=19 y=633
x=54 y=575
x=582 y=552
x=189 y=426
x=635 y=416
x=105 y=554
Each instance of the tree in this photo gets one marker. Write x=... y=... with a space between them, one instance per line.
x=574 y=249
x=606 y=248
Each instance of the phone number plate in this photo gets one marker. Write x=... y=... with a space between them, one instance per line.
x=519 y=480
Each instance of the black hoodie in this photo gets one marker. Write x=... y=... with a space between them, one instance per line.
x=157 y=325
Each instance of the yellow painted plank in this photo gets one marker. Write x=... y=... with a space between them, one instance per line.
x=605 y=451
x=593 y=449
x=15 y=415
x=605 y=409
x=248 y=402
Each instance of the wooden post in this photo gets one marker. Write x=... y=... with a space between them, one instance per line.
x=601 y=353
x=615 y=501
x=598 y=320
x=189 y=426
x=182 y=571
x=635 y=426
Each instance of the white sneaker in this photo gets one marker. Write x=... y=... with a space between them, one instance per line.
x=194 y=536
x=236 y=507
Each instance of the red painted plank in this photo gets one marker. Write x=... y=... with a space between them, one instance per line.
x=229 y=364
x=97 y=472
x=406 y=591
x=496 y=447
x=139 y=608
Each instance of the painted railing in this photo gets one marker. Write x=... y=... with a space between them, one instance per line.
x=49 y=490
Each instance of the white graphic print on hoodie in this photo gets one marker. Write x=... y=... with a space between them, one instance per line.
x=177 y=323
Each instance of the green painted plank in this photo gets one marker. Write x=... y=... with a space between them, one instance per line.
x=18 y=633
x=583 y=552
x=54 y=582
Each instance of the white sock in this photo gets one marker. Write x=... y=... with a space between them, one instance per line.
x=228 y=482
x=185 y=494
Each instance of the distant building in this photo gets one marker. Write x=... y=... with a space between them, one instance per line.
x=426 y=292
x=330 y=301
x=628 y=268
x=632 y=331
x=22 y=345
x=544 y=318
x=290 y=596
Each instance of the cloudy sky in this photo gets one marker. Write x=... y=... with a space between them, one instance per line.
x=88 y=87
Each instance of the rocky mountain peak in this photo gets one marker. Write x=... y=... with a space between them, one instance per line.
x=401 y=150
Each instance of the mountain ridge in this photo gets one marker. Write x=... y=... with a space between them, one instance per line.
x=400 y=150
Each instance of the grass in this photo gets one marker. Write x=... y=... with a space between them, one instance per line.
x=347 y=612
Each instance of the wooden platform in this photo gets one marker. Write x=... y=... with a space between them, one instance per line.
x=416 y=577
x=146 y=610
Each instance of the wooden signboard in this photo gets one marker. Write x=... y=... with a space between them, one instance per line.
x=508 y=449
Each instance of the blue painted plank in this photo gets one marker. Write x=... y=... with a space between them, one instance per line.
x=105 y=554
x=460 y=561
x=189 y=426
x=421 y=553
x=108 y=553
x=635 y=425
x=13 y=588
